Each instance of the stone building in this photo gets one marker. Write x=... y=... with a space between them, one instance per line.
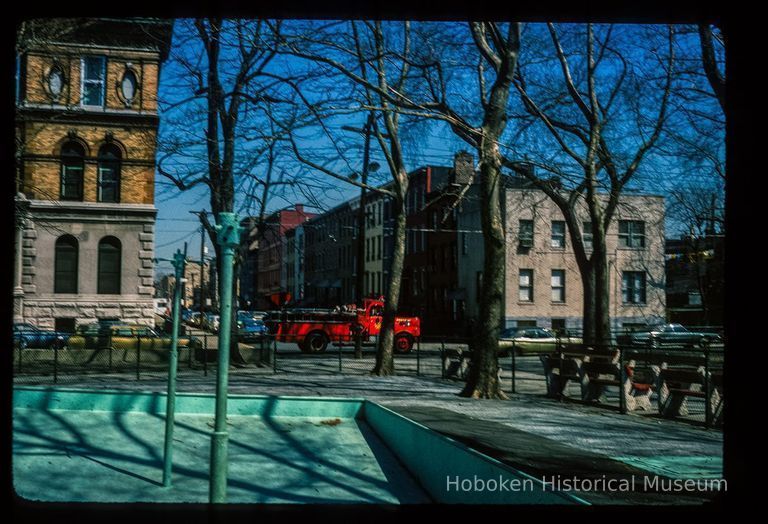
x=86 y=126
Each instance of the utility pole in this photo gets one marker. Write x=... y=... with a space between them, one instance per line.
x=361 y=225
x=202 y=272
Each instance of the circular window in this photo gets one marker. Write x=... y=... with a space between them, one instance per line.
x=55 y=82
x=128 y=86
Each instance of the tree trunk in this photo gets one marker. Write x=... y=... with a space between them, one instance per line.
x=483 y=380
x=385 y=363
x=602 y=319
x=589 y=306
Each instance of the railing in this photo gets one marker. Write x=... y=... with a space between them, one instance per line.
x=656 y=379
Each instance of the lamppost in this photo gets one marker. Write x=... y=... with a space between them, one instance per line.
x=179 y=262
x=228 y=233
x=361 y=219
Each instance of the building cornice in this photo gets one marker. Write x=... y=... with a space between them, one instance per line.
x=93 y=210
x=64 y=113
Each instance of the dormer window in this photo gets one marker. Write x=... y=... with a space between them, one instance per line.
x=94 y=72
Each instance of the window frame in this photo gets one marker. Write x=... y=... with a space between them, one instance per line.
x=67 y=162
x=58 y=287
x=560 y=235
x=116 y=163
x=560 y=288
x=101 y=82
x=521 y=287
x=631 y=239
x=101 y=273
x=631 y=293
x=525 y=237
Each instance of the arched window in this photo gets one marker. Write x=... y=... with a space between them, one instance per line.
x=109 y=173
x=65 y=265
x=109 y=266
x=72 y=155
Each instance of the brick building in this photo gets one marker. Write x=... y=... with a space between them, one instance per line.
x=86 y=125
x=267 y=255
x=543 y=284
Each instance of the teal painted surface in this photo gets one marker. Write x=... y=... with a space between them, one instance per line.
x=80 y=456
x=445 y=468
x=154 y=403
x=106 y=446
x=678 y=467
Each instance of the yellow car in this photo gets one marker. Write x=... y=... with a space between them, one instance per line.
x=124 y=336
x=535 y=340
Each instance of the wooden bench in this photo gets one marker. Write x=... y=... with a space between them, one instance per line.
x=677 y=385
x=599 y=373
x=564 y=366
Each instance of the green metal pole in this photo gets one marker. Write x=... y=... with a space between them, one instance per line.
x=228 y=236
x=179 y=260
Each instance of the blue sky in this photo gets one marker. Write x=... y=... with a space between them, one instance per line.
x=434 y=144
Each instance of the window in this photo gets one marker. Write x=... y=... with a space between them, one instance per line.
x=109 y=174
x=633 y=287
x=632 y=234
x=587 y=235
x=558 y=325
x=109 y=266
x=93 y=81
x=64 y=325
x=65 y=265
x=72 y=162
x=526 y=233
x=128 y=86
x=526 y=285
x=558 y=285
x=558 y=234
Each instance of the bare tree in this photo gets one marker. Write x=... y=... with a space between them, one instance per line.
x=605 y=121
x=709 y=39
x=371 y=58
x=221 y=82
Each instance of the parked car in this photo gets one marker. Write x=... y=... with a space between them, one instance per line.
x=253 y=315
x=211 y=322
x=668 y=335
x=124 y=336
x=250 y=330
x=29 y=336
x=534 y=340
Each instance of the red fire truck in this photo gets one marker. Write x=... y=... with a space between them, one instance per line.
x=314 y=329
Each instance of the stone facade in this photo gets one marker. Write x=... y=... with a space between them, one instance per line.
x=51 y=114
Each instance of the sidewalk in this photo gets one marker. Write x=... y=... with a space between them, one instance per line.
x=539 y=436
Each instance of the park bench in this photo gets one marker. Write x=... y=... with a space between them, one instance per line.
x=564 y=366
x=458 y=361
x=678 y=385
